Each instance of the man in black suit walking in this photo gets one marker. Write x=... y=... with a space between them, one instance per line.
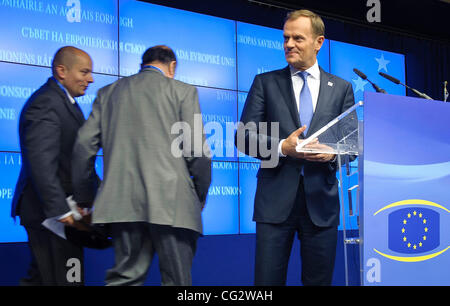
x=299 y=194
x=48 y=126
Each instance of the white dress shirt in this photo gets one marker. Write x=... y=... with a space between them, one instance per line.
x=72 y=100
x=313 y=80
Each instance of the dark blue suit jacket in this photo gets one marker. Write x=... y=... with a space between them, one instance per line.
x=271 y=99
x=48 y=126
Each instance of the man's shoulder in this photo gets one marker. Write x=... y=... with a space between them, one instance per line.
x=108 y=87
x=108 y=90
x=141 y=78
x=47 y=94
x=283 y=72
x=180 y=84
x=335 y=79
x=43 y=101
x=157 y=77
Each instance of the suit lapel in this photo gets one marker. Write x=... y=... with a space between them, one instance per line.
x=287 y=91
x=325 y=94
x=71 y=108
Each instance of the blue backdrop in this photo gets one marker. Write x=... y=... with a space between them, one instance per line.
x=219 y=56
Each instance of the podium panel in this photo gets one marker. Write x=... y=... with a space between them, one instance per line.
x=405 y=198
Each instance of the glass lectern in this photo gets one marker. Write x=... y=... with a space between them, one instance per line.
x=342 y=137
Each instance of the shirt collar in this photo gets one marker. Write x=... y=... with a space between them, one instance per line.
x=313 y=71
x=153 y=67
x=71 y=99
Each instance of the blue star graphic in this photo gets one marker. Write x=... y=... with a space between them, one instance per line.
x=382 y=63
x=360 y=83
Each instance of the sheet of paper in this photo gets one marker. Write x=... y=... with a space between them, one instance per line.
x=57 y=227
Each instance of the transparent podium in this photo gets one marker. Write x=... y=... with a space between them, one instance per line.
x=342 y=137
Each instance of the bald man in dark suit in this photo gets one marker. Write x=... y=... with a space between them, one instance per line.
x=48 y=125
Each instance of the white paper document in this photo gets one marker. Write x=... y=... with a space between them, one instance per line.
x=55 y=225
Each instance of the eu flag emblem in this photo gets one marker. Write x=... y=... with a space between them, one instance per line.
x=413 y=230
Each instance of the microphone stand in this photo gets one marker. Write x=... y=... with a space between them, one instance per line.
x=445 y=91
x=396 y=81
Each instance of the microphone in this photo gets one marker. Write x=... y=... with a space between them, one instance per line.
x=396 y=81
x=364 y=77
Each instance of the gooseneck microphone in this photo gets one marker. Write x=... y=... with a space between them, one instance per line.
x=364 y=77
x=397 y=81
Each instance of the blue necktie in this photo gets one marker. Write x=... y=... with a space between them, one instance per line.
x=306 y=107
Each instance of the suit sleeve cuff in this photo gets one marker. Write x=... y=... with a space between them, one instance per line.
x=279 y=148
x=65 y=215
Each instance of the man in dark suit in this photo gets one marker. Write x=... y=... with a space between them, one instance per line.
x=48 y=125
x=300 y=193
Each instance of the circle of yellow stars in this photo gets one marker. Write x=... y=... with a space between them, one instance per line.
x=425 y=230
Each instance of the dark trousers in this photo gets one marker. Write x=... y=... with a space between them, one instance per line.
x=274 y=244
x=54 y=260
x=135 y=244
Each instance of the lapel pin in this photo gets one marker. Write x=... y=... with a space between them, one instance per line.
x=330 y=84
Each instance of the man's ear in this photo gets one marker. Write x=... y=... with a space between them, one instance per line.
x=61 y=71
x=172 y=67
x=319 y=42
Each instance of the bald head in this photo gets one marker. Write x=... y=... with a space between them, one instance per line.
x=66 y=56
x=72 y=67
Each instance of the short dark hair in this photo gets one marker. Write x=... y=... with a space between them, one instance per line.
x=160 y=53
